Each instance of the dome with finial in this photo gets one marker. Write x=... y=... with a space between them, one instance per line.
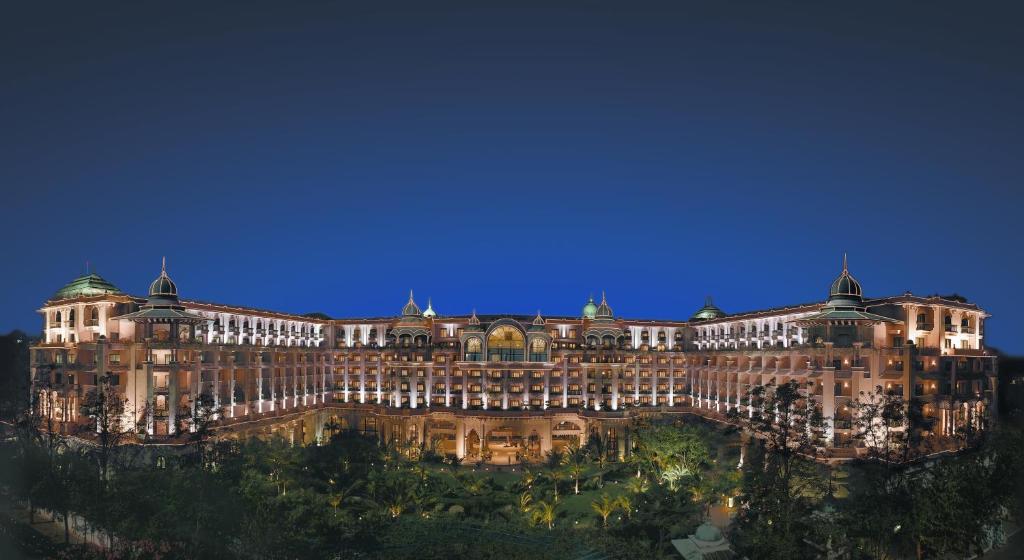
x=604 y=311
x=708 y=312
x=538 y=322
x=411 y=309
x=163 y=285
x=845 y=290
x=474 y=322
x=430 y=310
x=590 y=309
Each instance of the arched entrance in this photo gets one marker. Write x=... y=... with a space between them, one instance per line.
x=472 y=444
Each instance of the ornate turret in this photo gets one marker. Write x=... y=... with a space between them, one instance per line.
x=538 y=322
x=162 y=304
x=429 y=313
x=845 y=291
x=590 y=309
x=708 y=312
x=604 y=311
x=845 y=305
x=411 y=309
x=474 y=322
x=163 y=292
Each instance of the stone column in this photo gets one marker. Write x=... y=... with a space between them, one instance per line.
x=172 y=398
x=828 y=401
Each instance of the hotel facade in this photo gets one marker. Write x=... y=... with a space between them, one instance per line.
x=500 y=388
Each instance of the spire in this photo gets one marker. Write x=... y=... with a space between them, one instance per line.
x=163 y=266
x=411 y=309
x=603 y=299
x=430 y=309
x=846 y=270
x=474 y=321
x=707 y=301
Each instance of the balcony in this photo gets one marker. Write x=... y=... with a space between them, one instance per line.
x=951 y=328
x=925 y=326
x=967 y=329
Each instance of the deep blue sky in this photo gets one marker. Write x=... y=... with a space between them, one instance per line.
x=332 y=156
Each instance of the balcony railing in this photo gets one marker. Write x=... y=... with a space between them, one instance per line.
x=967 y=330
x=925 y=326
x=951 y=328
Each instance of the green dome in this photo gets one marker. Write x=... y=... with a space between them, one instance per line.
x=709 y=311
x=430 y=310
x=590 y=309
x=85 y=286
x=708 y=533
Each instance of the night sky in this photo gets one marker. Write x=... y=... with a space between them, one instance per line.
x=332 y=156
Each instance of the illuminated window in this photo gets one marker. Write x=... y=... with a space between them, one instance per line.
x=474 y=350
x=538 y=350
x=505 y=344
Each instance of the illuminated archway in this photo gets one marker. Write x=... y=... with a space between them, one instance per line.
x=506 y=344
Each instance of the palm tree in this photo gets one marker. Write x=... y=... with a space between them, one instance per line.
x=545 y=512
x=555 y=476
x=525 y=500
x=673 y=475
x=604 y=508
x=575 y=458
x=637 y=485
x=625 y=505
x=529 y=477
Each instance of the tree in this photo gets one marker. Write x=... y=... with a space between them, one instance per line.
x=880 y=419
x=575 y=459
x=597 y=449
x=525 y=502
x=661 y=448
x=555 y=476
x=637 y=485
x=782 y=482
x=604 y=508
x=109 y=428
x=626 y=505
x=198 y=422
x=545 y=512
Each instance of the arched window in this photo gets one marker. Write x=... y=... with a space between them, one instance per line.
x=505 y=344
x=56 y=318
x=474 y=350
x=71 y=316
x=538 y=350
x=94 y=315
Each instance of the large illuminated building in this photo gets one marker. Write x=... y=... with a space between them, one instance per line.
x=503 y=388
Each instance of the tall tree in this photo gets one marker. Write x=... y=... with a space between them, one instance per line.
x=782 y=482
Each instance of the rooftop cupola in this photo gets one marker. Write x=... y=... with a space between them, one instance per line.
x=411 y=309
x=845 y=290
x=429 y=313
x=590 y=309
x=163 y=285
x=474 y=323
x=84 y=286
x=708 y=312
x=604 y=311
x=538 y=322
